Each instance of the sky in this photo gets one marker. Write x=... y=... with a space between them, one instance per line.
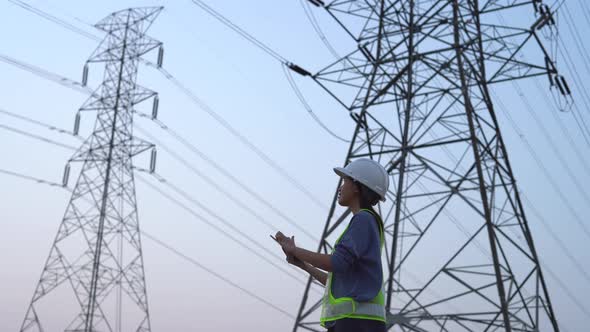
x=249 y=90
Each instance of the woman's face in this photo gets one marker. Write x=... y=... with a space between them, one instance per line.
x=347 y=192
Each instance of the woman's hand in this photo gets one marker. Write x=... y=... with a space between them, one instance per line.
x=287 y=243
x=288 y=246
x=306 y=260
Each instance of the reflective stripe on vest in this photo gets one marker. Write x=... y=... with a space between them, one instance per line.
x=346 y=307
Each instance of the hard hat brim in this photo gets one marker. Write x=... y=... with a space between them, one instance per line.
x=344 y=173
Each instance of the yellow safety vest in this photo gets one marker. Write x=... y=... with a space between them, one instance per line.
x=346 y=307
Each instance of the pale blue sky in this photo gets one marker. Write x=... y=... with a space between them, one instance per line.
x=247 y=88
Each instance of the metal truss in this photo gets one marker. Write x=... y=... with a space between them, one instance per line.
x=94 y=272
x=459 y=251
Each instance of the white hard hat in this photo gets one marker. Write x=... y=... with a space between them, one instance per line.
x=368 y=172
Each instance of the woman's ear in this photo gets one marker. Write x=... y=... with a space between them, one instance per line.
x=356 y=186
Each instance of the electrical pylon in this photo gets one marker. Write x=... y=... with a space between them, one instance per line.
x=95 y=271
x=459 y=251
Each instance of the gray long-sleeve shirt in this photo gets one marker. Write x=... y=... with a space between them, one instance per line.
x=356 y=261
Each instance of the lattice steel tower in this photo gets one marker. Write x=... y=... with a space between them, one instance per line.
x=459 y=252
x=96 y=256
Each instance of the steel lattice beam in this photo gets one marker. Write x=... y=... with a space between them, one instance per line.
x=417 y=86
x=96 y=258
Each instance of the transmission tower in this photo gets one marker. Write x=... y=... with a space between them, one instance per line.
x=459 y=251
x=95 y=270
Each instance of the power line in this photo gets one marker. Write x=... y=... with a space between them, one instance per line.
x=159 y=143
x=305 y=104
x=222 y=170
x=585 y=97
x=72 y=84
x=219 y=16
x=31 y=178
x=284 y=62
x=233 y=284
x=579 y=119
x=568 y=292
x=582 y=51
x=201 y=104
x=578 y=41
x=214 y=226
x=256 y=42
x=227 y=22
x=39 y=123
x=316 y=26
x=227 y=280
x=574 y=73
x=184 y=194
x=210 y=181
x=70 y=15
x=175 y=188
x=37 y=137
x=552 y=143
x=559 y=242
x=578 y=82
x=560 y=283
x=581 y=123
x=562 y=246
x=542 y=167
x=268 y=160
x=217 y=275
x=556 y=5
x=579 y=155
x=162 y=244
x=46 y=74
x=54 y=19
x=78 y=86
x=186 y=143
x=585 y=11
x=533 y=154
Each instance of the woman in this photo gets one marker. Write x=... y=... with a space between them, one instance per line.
x=353 y=300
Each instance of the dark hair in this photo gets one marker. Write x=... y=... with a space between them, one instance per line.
x=367 y=199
